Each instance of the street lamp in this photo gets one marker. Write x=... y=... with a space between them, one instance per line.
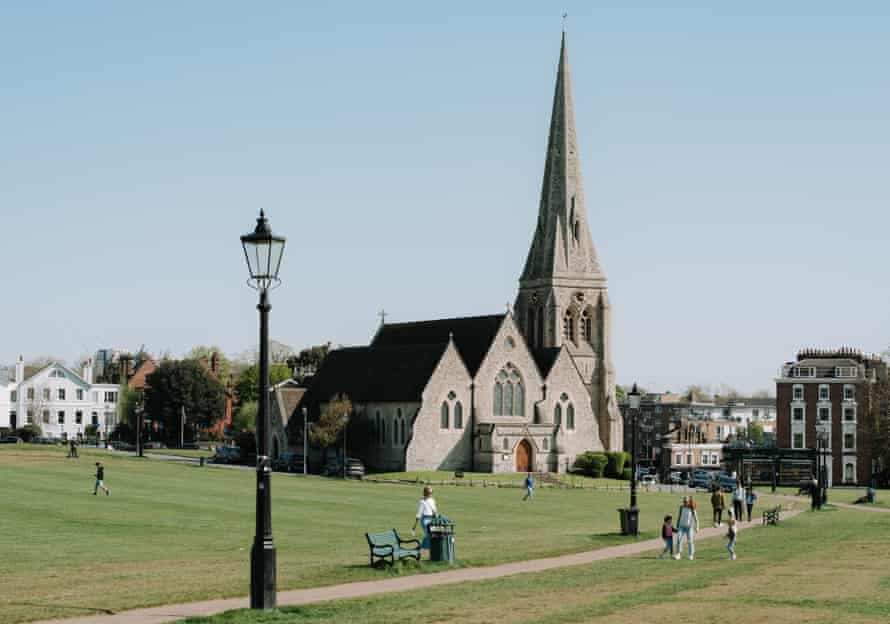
x=633 y=513
x=822 y=442
x=263 y=251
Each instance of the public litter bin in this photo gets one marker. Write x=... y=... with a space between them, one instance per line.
x=202 y=461
x=442 y=539
x=622 y=516
x=630 y=520
x=870 y=495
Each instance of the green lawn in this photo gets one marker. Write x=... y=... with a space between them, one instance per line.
x=174 y=532
x=181 y=452
x=825 y=567
x=517 y=478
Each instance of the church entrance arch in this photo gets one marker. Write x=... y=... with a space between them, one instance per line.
x=523 y=456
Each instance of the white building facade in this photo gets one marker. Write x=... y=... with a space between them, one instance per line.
x=61 y=402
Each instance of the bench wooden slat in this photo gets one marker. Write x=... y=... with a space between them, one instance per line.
x=388 y=545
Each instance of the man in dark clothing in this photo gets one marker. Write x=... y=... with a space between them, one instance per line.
x=100 y=478
x=72 y=448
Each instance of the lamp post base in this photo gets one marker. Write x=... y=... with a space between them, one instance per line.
x=262 y=575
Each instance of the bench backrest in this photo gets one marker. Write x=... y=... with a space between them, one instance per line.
x=383 y=538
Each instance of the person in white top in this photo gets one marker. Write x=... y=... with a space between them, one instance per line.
x=426 y=511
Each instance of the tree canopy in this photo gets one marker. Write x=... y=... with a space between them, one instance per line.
x=247 y=386
x=206 y=352
x=326 y=431
x=183 y=384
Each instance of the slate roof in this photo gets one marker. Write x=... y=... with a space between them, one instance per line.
x=287 y=398
x=545 y=359
x=472 y=336
x=376 y=373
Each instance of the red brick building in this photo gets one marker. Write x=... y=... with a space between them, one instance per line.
x=826 y=393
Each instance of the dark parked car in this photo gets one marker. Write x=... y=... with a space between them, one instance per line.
x=354 y=468
x=227 y=455
x=288 y=462
x=11 y=440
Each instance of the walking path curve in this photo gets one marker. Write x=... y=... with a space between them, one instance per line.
x=171 y=613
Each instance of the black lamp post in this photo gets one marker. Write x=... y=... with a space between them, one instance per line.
x=634 y=512
x=263 y=251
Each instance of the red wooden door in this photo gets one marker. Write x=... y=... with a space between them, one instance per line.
x=523 y=456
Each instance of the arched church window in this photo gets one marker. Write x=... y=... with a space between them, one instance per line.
x=557 y=414
x=509 y=393
x=443 y=416
x=518 y=399
x=377 y=427
x=568 y=325
x=586 y=327
x=403 y=431
x=458 y=416
x=383 y=431
x=546 y=444
x=506 y=444
x=576 y=229
x=570 y=416
x=397 y=428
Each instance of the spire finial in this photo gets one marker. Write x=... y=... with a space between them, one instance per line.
x=565 y=15
x=383 y=316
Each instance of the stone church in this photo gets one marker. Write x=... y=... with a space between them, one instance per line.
x=528 y=389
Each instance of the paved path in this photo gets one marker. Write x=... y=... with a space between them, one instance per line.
x=863 y=507
x=171 y=613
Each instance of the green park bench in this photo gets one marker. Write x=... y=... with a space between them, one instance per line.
x=388 y=545
x=771 y=516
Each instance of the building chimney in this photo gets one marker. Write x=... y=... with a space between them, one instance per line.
x=20 y=370
x=88 y=371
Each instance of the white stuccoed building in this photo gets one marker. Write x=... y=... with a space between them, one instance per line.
x=62 y=402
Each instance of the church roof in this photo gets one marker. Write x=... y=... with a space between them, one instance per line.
x=472 y=336
x=375 y=373
x=545 y=359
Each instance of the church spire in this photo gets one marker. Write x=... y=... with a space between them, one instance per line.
x=562 y=246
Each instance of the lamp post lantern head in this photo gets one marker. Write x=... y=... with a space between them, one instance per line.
x=634 y=398
x=263 y=251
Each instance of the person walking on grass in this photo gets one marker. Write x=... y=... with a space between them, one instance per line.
x=529 y=487
x=72 y=448
x=738 y=499
x=667 y=534
x=687 y=525
x=426 y=511
x=718 y=503
x=731 y=534
x=100 y=479
x=750 y=499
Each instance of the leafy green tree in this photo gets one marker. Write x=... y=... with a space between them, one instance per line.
x=326 y=430
x=308 y=361
x=206 y=352
x=620 y=394
x=128 y=404
x=184 y=384
x=247 y=386
x=698 y=393
x=245 y=417
x=755 y=433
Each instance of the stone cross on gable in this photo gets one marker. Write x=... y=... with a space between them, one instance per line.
x=383 y=316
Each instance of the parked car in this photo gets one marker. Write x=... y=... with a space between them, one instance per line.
x=649 y=479
x=675 y=477
x=702 y=479
x=727 y=481
x=288 y=461
x=11 y=440
x=227 y=455
x=354 y=468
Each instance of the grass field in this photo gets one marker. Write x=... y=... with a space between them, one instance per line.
x=174 y=532
x=431 y=475
x=825 y=567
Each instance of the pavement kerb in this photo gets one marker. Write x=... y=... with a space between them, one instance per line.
x=172 y=613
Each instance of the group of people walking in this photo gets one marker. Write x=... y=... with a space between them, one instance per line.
x=687 y=525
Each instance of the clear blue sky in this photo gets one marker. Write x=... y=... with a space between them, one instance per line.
x=735 y=158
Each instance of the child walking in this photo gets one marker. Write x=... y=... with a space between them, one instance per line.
x=100 y=479
x=731 y=535
x=667 y=534
x=529 y=487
